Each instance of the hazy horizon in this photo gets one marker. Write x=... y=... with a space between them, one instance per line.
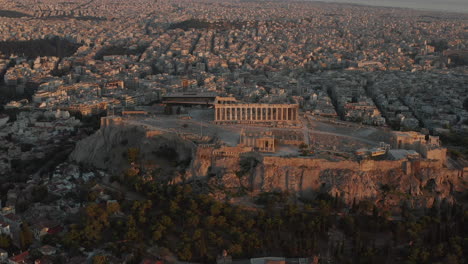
x=433 y=5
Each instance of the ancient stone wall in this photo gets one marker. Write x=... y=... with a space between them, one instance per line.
x=349 y=180
x=110 y=121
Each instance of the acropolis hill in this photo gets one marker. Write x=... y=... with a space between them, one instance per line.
x=302 y=155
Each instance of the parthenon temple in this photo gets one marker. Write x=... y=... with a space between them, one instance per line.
x=256 y=113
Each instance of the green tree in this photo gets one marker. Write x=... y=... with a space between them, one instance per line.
x=97 y=219
x=168 y=110
x=132 y=232
x=39 y=193
x=235 y=250
x=100 y=259
x=26 y=236
x=303 y=148
x=5 y=241
x=185 y=253
x=451 y=259
x=133 y=154
x=113 y=207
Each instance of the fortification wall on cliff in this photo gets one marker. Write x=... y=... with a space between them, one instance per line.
x=321 y=164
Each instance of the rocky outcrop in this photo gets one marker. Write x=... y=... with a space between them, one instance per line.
x=108 y=148
x=420 y=182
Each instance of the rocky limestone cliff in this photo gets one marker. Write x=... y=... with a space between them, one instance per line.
x=386 y=182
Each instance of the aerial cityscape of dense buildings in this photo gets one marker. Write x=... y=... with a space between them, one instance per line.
x=178 y=131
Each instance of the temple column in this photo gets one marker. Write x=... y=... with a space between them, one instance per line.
x=276 y=112
x=250 y=116
x=230 y=113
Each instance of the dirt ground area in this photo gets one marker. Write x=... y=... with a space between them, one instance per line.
x=325 y=137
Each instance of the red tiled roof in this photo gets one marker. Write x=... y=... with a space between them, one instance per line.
x=21 y=257
x=149 y=261
x=13 y=217
x=55 y=230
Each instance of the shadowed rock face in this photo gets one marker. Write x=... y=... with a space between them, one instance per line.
x=108 y=149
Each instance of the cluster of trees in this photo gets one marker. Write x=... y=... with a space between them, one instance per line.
x=119 y=50
x=197 y=227
x=457 y=142
x=26 y=236
x=440 y=236
x=39 y=47
x=194 y=226
x=5 y=241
